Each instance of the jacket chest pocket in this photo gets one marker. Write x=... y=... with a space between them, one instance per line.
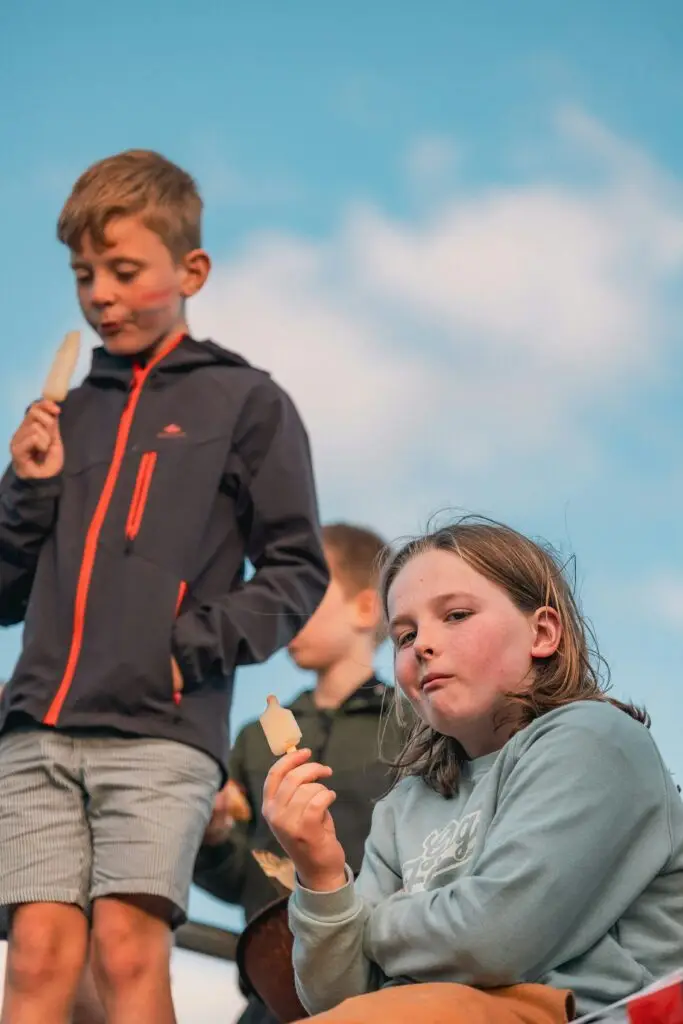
x=172 y=493
x=138 y=504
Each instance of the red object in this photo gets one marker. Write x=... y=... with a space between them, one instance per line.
x=662 y=1007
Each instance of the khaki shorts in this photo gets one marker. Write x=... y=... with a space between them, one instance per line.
x=84 y=816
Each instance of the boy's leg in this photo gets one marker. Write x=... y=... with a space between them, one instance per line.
x=47 y=948
x=150 y=801
x=46 y=858
x=131 y=958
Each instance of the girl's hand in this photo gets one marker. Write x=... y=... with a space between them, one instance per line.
x=296 y=807
x=36 y=448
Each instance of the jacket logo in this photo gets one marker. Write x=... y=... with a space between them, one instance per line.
x=443 y=850
x=172 y=430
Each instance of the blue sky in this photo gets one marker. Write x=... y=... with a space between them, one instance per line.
x=455 y=235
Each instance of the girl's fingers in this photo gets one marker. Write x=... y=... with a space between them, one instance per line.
x=287 y=817
x=303 y=775
x=317 y=807
x=280 y=769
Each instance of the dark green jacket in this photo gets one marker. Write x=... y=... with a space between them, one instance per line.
x=348 y=740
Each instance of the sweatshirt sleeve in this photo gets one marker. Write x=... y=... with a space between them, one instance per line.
x=221 y=869
x=279 y=521
x=580 y=830
x=28 y=509
x=330 y=964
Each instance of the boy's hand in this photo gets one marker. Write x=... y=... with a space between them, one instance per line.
x=221 y=822
x=296 y=807
x=36 y=448
x=230 y=806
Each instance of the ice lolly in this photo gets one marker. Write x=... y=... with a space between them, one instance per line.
x=279 y=868
x=279 y=725
x=56 y=386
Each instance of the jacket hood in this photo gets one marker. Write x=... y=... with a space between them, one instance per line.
x=189 y=354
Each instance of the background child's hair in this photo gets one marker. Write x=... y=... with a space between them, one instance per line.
x=137 y=182
x=358 y=554
x=533 y=576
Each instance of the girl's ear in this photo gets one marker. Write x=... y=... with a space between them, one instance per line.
x=546 y=632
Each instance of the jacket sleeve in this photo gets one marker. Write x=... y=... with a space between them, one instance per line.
x=221 y=870
x=28 y=509
x=278 y=515
x=330 y=962
x=580 y=831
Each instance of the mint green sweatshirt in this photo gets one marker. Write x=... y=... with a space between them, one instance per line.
x=560 y=860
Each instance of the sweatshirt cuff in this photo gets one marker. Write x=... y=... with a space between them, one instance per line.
x=339 y=903
x=44 y=487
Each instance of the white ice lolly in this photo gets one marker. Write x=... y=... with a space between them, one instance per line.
x=56 y=386
x=279 y=725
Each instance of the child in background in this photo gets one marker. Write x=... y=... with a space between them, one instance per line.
x=340 y=718
x=125 y=521
x=531 y=854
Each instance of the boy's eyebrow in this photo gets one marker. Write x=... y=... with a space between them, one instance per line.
x=121 y=258
x=80 y=263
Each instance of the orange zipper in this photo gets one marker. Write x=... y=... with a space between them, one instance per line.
x=140 y=376
x=140 y=494
x=182 y=590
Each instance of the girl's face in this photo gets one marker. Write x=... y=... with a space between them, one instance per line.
x=461 y=645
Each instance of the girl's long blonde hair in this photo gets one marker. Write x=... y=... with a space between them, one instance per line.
x=533 y=576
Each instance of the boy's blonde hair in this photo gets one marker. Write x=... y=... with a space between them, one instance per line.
x=533 y=576
x=137 y=182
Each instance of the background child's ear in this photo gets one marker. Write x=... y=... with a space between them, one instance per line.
x=368 y=609
x=547 y=632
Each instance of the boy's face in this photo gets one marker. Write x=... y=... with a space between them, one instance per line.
x=132 y=292
x=331 y=634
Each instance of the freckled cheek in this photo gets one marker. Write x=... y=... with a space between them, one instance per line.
x=405 y=670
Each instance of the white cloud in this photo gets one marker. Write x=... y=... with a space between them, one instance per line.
x=460 y=355
x=465 y=344
x=431 y=161
x=662 y=596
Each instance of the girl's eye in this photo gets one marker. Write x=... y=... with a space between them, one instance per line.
x=403 y=639
x=457 y=616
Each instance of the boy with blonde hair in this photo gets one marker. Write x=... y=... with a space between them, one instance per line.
x=125 y=521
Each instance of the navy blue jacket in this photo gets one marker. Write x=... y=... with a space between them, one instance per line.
x=175 y=473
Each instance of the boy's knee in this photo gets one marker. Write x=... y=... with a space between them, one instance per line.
x=45 y=951
x=128 y=944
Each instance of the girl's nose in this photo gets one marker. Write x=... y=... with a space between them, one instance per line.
x=423 y=649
